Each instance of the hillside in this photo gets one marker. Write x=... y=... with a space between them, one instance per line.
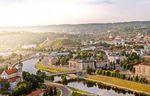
x=17 y=39
x=58 y=43
x=123 y=27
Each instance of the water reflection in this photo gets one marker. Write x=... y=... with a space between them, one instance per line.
x=99 y=89
x=29 y=65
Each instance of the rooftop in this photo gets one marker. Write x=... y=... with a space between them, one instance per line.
x=35 y=93
x=146 y=64
x=11 y=71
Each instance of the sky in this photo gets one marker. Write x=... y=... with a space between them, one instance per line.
x=46 y=12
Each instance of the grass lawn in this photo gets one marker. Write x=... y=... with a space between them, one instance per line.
x=79 y=91
x=50 y=69
x=119 y=82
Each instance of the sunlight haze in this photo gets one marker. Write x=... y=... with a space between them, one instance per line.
x=45 y=12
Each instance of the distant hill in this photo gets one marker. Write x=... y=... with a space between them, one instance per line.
x=58 y=43
x=17 y=39
x=127 y=27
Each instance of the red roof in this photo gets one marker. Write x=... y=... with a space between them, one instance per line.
x=11 y=71
x=13 y=79
x=35 y=93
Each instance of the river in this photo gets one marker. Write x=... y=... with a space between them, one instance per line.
x=98 y=89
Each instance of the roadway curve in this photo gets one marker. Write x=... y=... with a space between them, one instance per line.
x=65 y=91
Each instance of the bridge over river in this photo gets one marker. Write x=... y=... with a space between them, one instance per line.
x=78 y=73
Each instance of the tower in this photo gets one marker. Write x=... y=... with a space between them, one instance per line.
x=19 y=68
x=10 y=66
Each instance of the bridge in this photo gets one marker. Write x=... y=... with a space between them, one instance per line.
x=79 y=73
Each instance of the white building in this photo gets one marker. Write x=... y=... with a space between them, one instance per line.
x=139 y=52
x=115 y=57
x=58 y=54
x=82 y=64
x=118 y=41
x=29 y=46
x=89 y=48
x=12 y=75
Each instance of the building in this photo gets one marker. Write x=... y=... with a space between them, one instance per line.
x=115 y=57
x=118 y=41
x=12 y=75
x=142 y=70
x=89 y=48
x=52 y=60
x=91 y=42
x=147 y=48
x=139 y=52
x=101 y=64
x=29 y=46
x=58 y=54
x=82 y=64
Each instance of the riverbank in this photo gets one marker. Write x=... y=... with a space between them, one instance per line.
x=78 y=91
x=124 y=84
x=42 y=67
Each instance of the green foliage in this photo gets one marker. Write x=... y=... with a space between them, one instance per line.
x=83 y=55
x=5 y=85
x=51 y=78
x=41 y=74
x=89 y=70
x=59 y=43
x=34 y=79
x=64 y=80
x=76 y=94
x=51 y=91
x=130 y=61
x=22 y=88
x=63 y=60
x=121 y=76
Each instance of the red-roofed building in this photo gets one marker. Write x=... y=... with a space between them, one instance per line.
x=35 y=93
x=12 y=75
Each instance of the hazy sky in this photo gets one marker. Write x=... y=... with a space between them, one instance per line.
x=43 y=12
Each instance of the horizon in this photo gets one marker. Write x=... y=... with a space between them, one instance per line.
x=50 y=12
x=77 y=24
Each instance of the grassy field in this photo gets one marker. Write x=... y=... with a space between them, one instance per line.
x=79 y=91
x=119 y=82
x=51 y=69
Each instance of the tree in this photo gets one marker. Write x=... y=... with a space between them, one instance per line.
x=55 y=91
x=22 y=88
x=136 y=78
x=88 y=70
x=64 y=80
x=34 y=79
x=51 y=78
x=6 y=85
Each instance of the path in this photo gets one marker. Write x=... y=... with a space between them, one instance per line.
x=65 y=91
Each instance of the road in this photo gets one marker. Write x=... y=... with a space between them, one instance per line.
x=65 y=91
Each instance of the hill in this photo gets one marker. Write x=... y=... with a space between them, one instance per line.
x=59 y=43
x=122 y=27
